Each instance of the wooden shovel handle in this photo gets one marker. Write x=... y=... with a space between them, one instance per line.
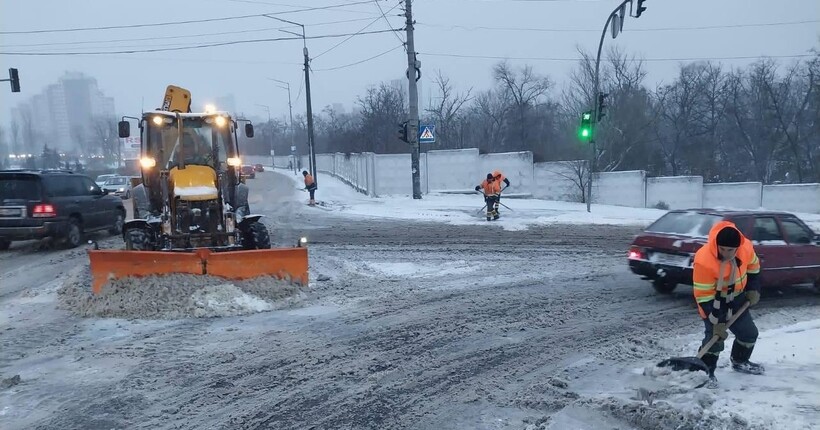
x=729 y=323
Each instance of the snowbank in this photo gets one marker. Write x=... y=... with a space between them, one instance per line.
x=173 y=296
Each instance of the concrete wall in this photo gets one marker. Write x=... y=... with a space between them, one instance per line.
x=557 y=180
x=620 y=188
x=452 y=170
x=792 y=197
x=393 y=175
x=678 y=192
x=733 y=195
x=516 y=166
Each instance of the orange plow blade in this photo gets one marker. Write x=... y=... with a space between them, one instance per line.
x=290 y=264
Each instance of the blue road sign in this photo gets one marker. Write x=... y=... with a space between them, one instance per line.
x=427 y=134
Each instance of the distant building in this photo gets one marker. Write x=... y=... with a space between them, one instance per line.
x=61 y=115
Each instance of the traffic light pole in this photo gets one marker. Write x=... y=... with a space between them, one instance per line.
x=595 y=99
x=413 y=121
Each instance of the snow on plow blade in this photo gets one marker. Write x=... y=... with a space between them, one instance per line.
x=290 y=264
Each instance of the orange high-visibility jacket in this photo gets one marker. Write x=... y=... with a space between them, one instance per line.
x=308 y=180
x=491 y=188
x=499 y=177
x=707 y=267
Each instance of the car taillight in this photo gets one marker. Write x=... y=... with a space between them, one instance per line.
x=636 y=253
x=44 y=211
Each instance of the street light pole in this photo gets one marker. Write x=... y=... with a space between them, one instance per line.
x=309 y=107
x=270 y=134
x=290 y=111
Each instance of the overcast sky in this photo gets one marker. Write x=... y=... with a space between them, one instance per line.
x=489 y=28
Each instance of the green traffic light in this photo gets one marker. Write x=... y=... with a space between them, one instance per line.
x=585 y=132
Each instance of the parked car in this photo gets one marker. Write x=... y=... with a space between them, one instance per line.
x=100 y=181
x=119 y=186
x=58 y=204
x=258 y=167
x=788 y=249
x=248 y=172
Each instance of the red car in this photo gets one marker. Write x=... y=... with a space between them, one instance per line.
x=248 y=172
x=788 y=249
x=259 y=167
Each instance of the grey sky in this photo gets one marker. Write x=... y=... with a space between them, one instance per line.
x=242 y=69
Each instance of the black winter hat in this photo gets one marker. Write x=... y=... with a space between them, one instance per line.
x=728 y=236
x=489 y=175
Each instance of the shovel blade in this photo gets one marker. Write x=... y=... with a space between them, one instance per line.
x=692 y=364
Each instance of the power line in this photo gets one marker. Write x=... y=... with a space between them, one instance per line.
x=183 y=48
x=288 y=5
x=388 y=21
x=491 y=57
x=180 y=36
x=190 y=21
x=362 y=61
x=356 y=34
x=573 y=30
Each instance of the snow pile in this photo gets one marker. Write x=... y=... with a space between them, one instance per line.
x=173 y=296
x=404 y=270
x=786 y=397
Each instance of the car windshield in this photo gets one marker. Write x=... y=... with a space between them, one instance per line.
x=195 y=142
x=685 y=223
x=102 y=178
x=19 y=188
x=116 y=181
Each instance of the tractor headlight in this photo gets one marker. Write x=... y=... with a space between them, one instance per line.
x=302 y=242
x=157 y=120
x=221 y=121
x=234 y=161
x=147 y=162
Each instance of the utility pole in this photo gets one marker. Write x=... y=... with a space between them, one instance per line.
x=310 y=119
x=413 y=75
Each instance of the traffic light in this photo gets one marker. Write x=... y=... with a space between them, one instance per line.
x=639 y=10
x=403 y=132
x=585 y=131
x=15 y=80
x=601 y=105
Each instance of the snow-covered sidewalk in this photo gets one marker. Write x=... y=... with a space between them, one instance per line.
x=461 y=209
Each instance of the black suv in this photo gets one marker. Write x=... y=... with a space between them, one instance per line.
x=54 y=203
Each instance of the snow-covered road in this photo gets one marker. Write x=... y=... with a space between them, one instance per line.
x=451 y=324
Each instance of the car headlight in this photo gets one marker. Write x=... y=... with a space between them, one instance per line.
x=122 y=190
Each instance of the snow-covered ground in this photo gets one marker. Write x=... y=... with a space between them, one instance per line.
x=460 y=209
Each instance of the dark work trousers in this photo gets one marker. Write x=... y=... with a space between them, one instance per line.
x=491 y=202
x=312 y=190
x=744 y=329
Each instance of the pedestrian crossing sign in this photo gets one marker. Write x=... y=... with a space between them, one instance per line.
x=427 y=134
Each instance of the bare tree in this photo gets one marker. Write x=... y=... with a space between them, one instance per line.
x=383 y=108
x=447 y=112
x=524 y=89
x=16 y=146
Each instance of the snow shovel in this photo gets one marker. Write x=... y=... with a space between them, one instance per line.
x=693 y=364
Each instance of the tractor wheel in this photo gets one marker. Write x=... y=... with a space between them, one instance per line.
x=255 y=236
x=137 y=239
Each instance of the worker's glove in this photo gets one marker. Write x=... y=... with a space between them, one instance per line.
x=477 y=187
x=720 y=331
x=753 y=297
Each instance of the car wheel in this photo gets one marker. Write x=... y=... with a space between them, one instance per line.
x=255 y=236
x=127 y=194
x=4 y=244
x=116 y=228
x=664 y=287
x=138 y=239
x=74 y=234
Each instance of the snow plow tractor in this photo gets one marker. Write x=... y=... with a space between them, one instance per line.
x=191 y=211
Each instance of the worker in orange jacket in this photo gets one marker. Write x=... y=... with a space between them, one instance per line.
x=499 y=178
x=492 y=191
x=310 y=185
x=726 y=274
